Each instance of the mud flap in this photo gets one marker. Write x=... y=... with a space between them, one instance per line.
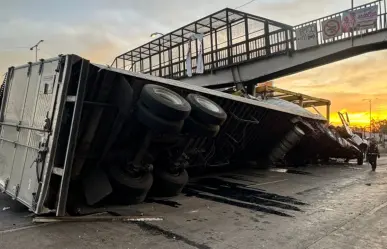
x=96 y=186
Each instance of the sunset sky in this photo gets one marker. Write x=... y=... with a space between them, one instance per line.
x=346 y=84
x=99 y=30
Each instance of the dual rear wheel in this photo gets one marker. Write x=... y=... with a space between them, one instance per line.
x=163 y=111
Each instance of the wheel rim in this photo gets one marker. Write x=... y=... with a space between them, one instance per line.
x=168 y=96
x=208 y=104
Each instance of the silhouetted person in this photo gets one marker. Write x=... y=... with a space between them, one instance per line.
x=373 y=154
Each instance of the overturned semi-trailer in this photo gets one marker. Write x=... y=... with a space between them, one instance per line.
x=73 y=131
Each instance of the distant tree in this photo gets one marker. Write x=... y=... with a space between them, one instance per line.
x=379 y=126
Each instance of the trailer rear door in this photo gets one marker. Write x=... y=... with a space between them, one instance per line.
x=26 y=119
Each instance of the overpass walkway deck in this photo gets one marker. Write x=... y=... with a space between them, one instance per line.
x=241 y=47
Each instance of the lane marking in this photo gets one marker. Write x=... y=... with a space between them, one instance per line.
x=377 y=208
x=345 y=223
x=21 y=228
x=265 y=183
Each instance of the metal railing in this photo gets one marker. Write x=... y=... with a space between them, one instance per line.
x=381 y=24
x=276 y=42
x=254 y=45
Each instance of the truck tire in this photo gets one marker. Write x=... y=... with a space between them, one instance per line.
x=167 y=184
x=206 y=110
x=194 y=127
x=287 y=143
x=156 y=123
x=277 y=154
x=294 y=136
x=128 y=189
x=164 y=102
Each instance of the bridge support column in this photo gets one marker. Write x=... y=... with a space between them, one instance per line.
x=236 y=75
x=251 y=89
x=328 y=112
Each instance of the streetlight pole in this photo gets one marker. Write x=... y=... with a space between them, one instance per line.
x=36 y=49
x=370 y=101
x=370 y=117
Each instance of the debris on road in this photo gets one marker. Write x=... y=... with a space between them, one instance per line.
x=95 y=219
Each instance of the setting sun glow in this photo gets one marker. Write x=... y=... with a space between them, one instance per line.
x=347 y=84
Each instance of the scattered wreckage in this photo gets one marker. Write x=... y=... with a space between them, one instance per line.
x=320 y=140
x=75 y=133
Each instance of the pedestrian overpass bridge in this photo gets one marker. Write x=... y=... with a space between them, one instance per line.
x=242 y=48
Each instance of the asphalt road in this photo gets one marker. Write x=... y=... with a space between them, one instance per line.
x=335 y=206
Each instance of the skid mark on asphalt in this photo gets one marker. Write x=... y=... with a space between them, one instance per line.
x=308 y=191
x=241 y=195
x=156 y=230
x=266 y=183
x=242 y=178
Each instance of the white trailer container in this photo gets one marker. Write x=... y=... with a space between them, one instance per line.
x=65 y=124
